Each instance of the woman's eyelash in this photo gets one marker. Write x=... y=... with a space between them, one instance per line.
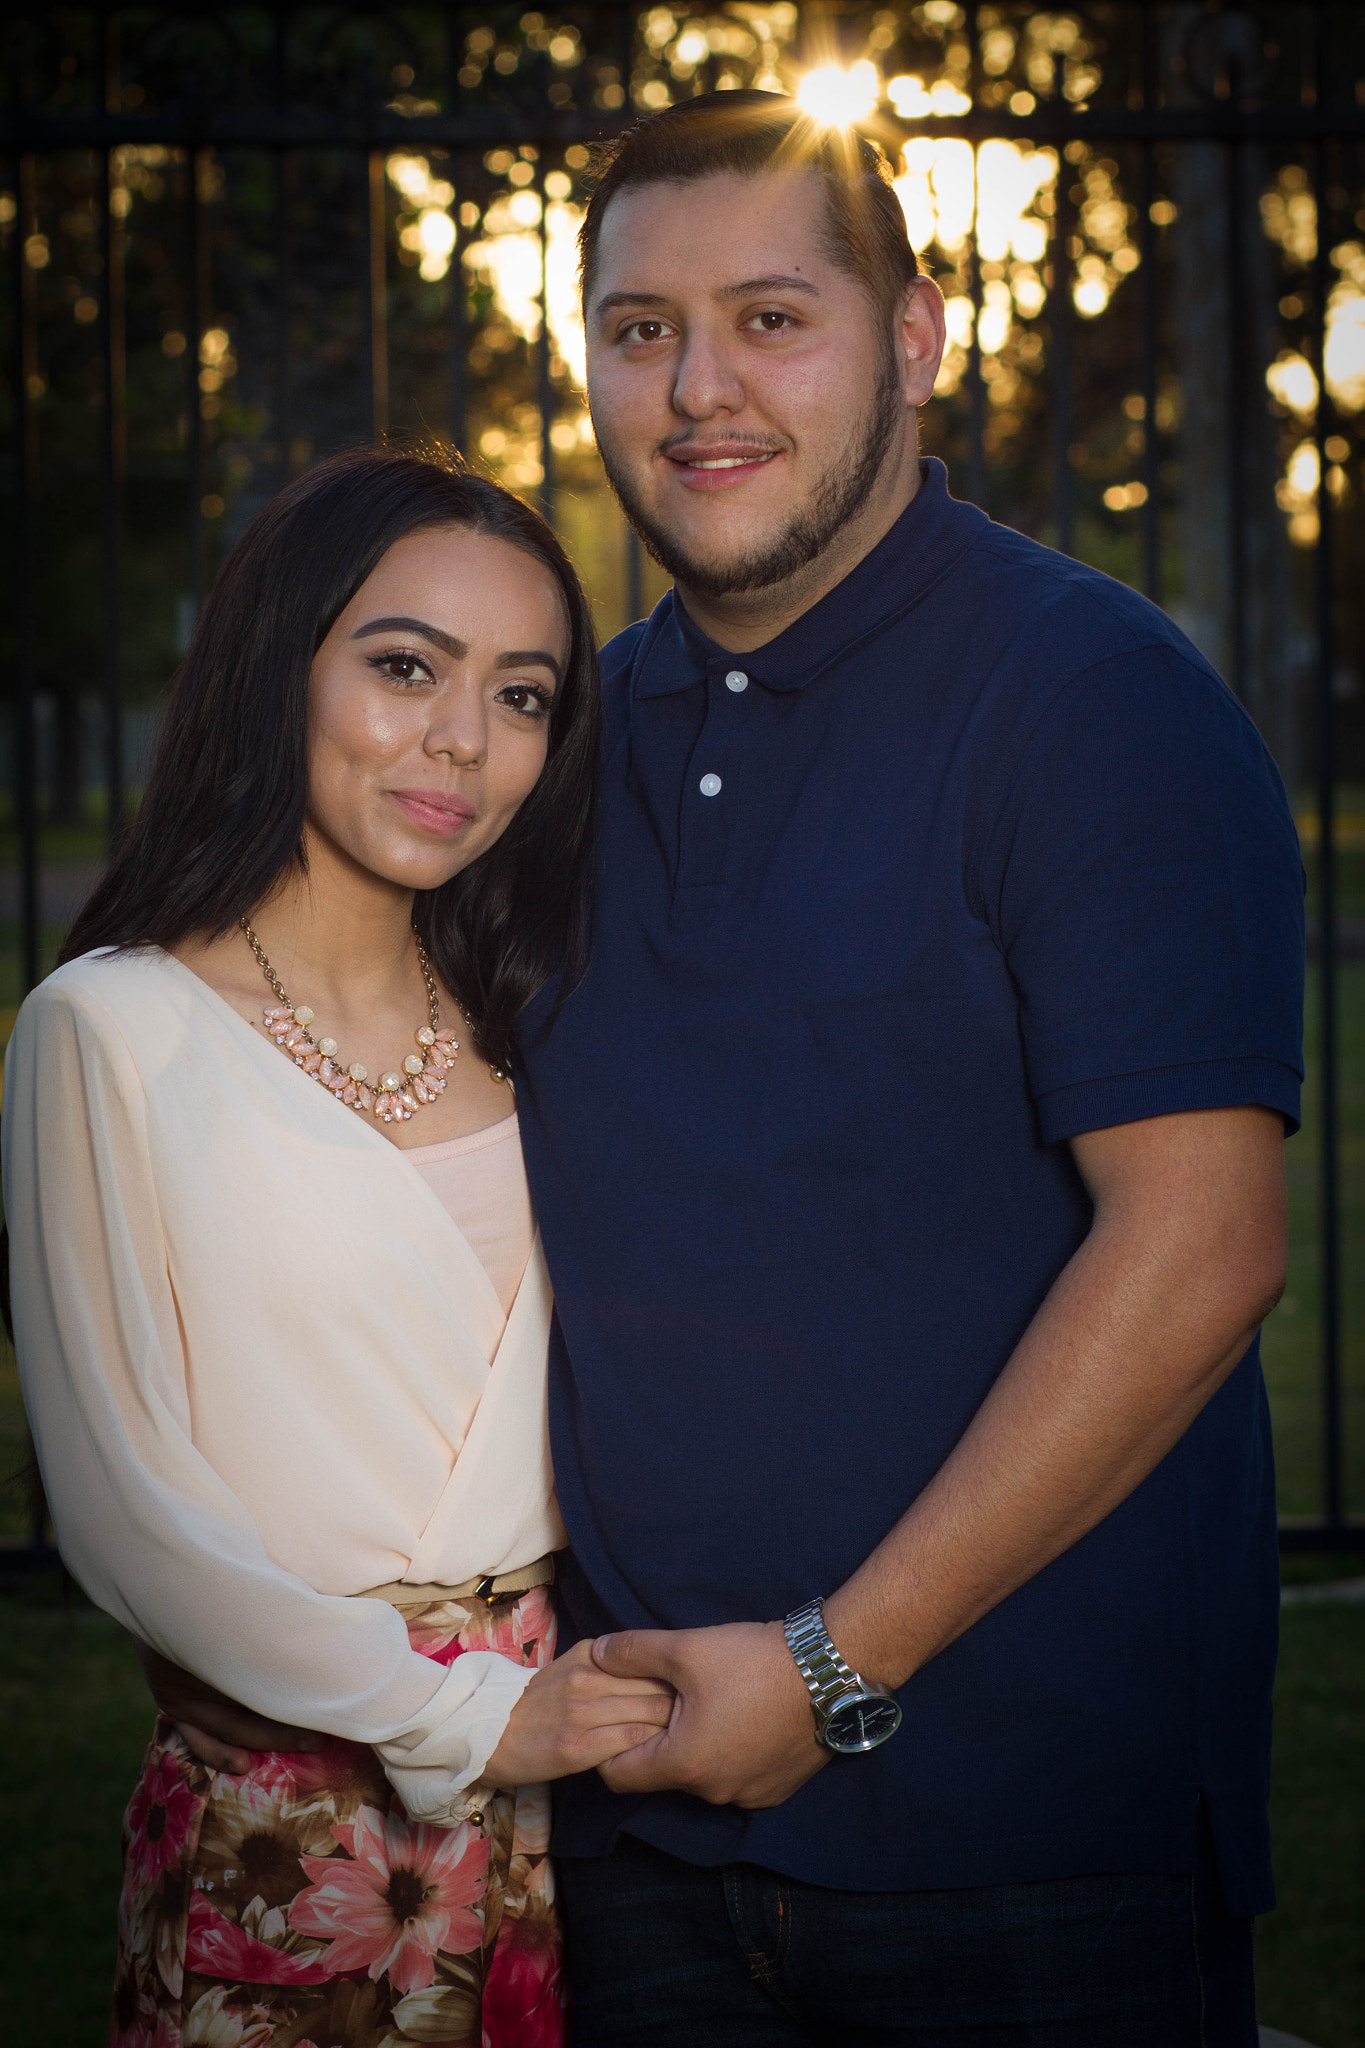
x=541 y=699
x=396 y=654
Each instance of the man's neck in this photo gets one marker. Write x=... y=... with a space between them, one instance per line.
x=743 y=620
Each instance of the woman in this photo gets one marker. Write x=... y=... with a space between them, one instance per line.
x=280 y=1312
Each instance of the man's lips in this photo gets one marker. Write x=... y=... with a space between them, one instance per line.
x=711 y=469
x=435 y=810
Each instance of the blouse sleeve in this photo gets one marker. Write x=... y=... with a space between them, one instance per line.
x=145 y=1524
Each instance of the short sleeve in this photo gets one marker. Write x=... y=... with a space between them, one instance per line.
x=1142 y=877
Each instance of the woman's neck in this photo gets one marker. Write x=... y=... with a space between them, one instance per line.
x=339 y=933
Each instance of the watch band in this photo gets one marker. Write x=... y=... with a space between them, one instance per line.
x=826 y=1674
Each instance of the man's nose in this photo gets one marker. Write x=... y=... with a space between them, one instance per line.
x=708 y=379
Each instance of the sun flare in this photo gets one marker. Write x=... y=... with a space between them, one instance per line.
x=839 y=98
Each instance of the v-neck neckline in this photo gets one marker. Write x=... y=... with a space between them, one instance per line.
x=413 y=1174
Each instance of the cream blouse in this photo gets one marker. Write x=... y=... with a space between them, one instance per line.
x=265 y=1370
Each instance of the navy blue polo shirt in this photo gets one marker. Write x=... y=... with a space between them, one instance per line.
x=978 y=855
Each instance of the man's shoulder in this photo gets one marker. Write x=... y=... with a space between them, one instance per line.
x=1082 y=613
x=619 y=653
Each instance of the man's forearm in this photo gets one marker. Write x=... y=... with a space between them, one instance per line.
x=1137 y=1333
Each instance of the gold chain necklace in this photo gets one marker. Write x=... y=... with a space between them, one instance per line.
x=397 y=1096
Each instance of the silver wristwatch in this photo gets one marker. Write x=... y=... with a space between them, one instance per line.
x=851 y=1714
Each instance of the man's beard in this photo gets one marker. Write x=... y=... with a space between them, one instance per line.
x=839 y=495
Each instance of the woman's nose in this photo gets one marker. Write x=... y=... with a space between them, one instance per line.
x=459 y=730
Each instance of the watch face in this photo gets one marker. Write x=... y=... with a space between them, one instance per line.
x=861 y=1723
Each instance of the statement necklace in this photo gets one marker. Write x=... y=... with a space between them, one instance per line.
x=397 y=1096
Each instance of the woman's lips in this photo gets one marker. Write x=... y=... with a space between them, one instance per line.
x=721 y=469
x=435 y=812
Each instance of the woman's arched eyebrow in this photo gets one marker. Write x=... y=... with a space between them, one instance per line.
x=456 y=649
x=518 y=657
x=531 y=657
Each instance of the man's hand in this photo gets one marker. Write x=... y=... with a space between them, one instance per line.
x=741 y=1732
x=214 y=1728
x=574 y=1717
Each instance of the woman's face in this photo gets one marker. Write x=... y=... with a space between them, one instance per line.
x=429 y=704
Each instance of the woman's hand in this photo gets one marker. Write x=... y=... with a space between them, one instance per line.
x=573 y=1717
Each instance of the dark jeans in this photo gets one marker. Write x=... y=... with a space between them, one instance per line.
x=663 y=1954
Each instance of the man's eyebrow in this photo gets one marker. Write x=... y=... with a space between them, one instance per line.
x=779 y=282
x=531 y=657
x=746 y=288
x=447 y=642
x=614 y=299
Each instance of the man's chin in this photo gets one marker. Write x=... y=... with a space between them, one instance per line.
x=718 y=564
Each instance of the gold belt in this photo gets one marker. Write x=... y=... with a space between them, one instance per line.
x=490 y=1587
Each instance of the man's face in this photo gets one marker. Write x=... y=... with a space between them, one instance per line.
x=749 y=399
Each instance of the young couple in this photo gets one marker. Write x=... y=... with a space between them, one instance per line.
x=900 y=1044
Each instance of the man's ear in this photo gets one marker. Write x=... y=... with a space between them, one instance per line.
x=921 y=336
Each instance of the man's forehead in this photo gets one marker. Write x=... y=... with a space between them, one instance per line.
x=711 y=232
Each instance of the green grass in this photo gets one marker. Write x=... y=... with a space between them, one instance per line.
x=1291 y=1343
x=1311 y=1952
x=74 y=1718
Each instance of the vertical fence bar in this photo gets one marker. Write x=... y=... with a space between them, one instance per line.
x=374 y=295
x=113 y=464
x=457 y=326
x=1233 y=413
x=25 y=372
x=1151 y=445
x=635 y=576
x=545 y=390
x=1059 y=323
x=1325 y=723
x=197 y=320
x=977 y=482
x=1151 y=328
x=976 y=387
x=283 y=258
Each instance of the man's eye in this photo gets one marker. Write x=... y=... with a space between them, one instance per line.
x=645 y=330
x=771 y=321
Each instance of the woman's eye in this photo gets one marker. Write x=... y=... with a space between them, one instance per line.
x=526 y=699
x=399 y=667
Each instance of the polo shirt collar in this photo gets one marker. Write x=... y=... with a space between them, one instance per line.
x=930 y=535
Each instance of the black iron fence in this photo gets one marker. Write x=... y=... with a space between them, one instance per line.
x=240 y=236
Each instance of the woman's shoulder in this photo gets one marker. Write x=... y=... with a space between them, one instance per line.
x=106 y=988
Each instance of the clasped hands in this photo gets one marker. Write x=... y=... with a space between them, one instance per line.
x=719 y=1712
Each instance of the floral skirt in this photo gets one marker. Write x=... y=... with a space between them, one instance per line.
x=298 y=1907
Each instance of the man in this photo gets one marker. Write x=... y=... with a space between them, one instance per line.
x=909 y=1165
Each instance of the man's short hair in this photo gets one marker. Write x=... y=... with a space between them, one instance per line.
x=748 y=132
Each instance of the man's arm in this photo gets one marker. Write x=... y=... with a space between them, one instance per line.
x=1184 y=1259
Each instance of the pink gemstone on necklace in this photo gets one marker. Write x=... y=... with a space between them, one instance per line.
x=445 y=1037
x=311 y=1061
x=326 y=1071
x=277 y=1010
x=365 y=1097
x=348 y=1094
x=382 y=1105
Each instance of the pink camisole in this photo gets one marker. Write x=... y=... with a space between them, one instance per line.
x=481 y=1182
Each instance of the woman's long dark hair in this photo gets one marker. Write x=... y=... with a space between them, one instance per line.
x=221 y=819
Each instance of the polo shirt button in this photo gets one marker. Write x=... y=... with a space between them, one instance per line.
x=736 y=681
x=710 y=785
